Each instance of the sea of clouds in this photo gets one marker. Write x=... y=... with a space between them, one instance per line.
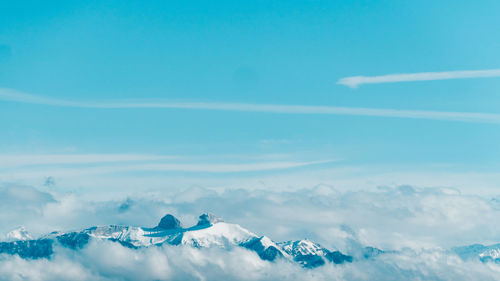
x=416 y=226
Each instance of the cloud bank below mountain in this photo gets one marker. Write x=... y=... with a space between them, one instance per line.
x=421 y=223
x=102 y=260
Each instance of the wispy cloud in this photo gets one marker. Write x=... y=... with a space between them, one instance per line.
x=16 y=96
x=218 y=168
x=355 y=81
x=62 y=165
x=17 y=160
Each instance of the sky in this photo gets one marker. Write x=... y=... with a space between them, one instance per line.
x=350 y=123
x=128 y=95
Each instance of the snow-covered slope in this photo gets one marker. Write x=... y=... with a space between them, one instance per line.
x=209 y=231
x=310 y=254
x=266 y=248
x=220 y=234
x=19 y=233
x=302 y=247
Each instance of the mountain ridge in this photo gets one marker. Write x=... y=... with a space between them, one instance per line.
x=210 y=231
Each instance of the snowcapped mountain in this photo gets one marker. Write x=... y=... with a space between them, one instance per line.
x=478 y=251
x=19 y=233
x=302 y=247
x=210 y=231
x=310 y=254
x=266 y=248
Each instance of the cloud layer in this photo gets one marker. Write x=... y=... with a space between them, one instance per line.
x=388 y=218
x=422 y=223
x=50 y=165
x=110 y=261
x=355 y=81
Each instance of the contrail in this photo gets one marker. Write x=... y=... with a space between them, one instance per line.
x=355 y=81
x=15 y=96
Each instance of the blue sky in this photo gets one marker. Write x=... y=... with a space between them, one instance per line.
x=258 y=52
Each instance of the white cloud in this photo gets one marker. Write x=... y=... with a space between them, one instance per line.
x=12 y=95
x=388 y=218
x=20 y=202
x=356 y=81
x=421 y=222
x=22 y=170
x=110 y=261
x=16 y=160
x=217 y=168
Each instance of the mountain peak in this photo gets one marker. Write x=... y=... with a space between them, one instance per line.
x=303 y=247
x=19 y=233
x=208 y=219
x=169 y=222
